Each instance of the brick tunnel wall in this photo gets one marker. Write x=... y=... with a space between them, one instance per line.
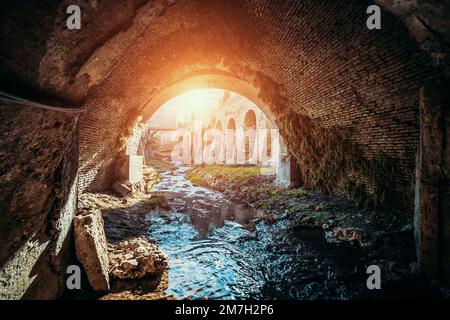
x=100 y=147
x=333 y=71
x=314 y=62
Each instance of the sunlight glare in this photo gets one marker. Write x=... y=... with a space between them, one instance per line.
x=198 y=104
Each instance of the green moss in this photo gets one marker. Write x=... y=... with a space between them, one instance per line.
x=297 y=193
x=242 y=176
x=329 y=160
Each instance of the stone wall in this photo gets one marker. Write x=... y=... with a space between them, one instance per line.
x=38 y=194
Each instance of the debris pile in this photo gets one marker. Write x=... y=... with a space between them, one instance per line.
x=136 y=259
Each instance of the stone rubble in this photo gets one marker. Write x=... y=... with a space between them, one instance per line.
x=114 y=228
x=136 y=258
x=91 y=247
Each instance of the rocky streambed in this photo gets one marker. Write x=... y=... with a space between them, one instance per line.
x=220 y=245
x=252 y=241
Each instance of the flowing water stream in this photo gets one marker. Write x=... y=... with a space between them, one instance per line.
x=219 y=249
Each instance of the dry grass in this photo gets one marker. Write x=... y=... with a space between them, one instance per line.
x=235 y=175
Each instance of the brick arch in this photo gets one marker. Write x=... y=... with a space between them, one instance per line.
x=250 y=120
x=218 y=125
x=348 y=79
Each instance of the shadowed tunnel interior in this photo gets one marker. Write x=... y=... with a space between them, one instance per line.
x=362 y=112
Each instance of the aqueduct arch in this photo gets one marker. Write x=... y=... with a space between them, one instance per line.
x=219 y=125
x=97 y=177
x=328 y=82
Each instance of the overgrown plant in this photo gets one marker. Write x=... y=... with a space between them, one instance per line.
x=329 y=160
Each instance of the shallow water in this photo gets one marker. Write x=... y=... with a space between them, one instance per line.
x=218 y=249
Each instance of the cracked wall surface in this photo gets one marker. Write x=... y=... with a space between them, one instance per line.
x=38 y=193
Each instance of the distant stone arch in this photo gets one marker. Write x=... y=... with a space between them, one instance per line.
x=218 y=150
x=249 y=136
x=231 y=124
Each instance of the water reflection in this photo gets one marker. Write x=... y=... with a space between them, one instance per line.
x=217 y=249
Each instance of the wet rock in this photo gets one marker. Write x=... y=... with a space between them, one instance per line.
x=352 y=235
x=91 y=247
x=407 y=228
x=272 y=218
x=121 y=189
x=134 y=263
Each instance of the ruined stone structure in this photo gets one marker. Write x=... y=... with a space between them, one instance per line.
x=236 y=112
x=365 y=111
x=232 y=112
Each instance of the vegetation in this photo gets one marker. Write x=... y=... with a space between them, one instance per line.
x=241 y=176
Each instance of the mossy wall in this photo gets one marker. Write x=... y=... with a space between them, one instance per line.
x=330 y=161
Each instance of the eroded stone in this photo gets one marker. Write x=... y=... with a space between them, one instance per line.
x=91 y=248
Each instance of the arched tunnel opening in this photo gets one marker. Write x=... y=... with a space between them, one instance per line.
x=187 y=130
x=224 y=149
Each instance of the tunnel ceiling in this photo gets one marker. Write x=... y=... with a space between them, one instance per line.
x=68 y=63
x=315 y=59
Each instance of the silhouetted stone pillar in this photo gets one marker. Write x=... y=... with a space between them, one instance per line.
x=287 y=173
x=432 y=202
